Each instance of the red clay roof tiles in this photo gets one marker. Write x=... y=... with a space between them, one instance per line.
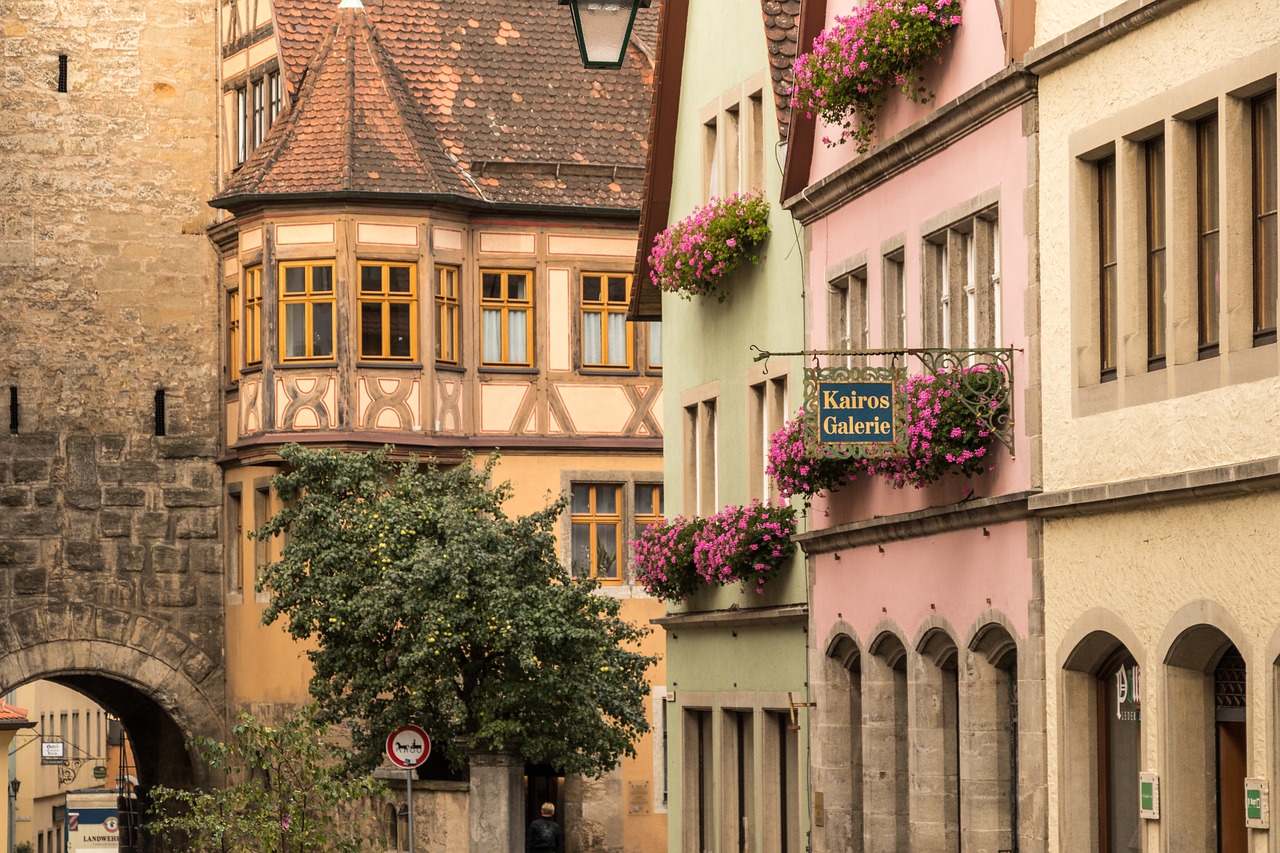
x=469 y=99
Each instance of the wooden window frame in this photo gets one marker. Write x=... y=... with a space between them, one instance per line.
x=251 y=293
x=1208 y=237
x=310 y=298
x=384 y=298
x=233 y=334
x=448 y=309
x=594 y=520
x=1108 y=269
x=1156 y=204
x=505 y=305
x=605 y=307
x=655 y=366
x=893 y=284
x=258 y=108
x=243 y=146
x=657 y=502
x=275 y=97
x=1263 y=146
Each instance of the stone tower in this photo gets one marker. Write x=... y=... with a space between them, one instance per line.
x=109 y=490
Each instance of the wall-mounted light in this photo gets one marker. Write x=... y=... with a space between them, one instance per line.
x=603 y=28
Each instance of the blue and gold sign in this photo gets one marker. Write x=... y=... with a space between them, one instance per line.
x=856 y=413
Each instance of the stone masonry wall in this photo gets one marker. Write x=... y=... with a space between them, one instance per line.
x=107 y=294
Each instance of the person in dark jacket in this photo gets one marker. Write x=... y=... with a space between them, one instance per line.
x=544 y=833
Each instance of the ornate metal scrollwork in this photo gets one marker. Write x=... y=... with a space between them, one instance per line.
x=69 y=768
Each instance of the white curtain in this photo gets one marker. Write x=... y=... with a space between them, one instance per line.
x=492 y=333
x=517 y=339
x=618 y=339
x=591 y=338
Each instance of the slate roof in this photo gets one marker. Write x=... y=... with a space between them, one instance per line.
x=473 y=100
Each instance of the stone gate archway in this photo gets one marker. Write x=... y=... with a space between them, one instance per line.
x=163 y=688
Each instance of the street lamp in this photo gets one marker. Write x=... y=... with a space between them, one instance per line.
x=603 y=28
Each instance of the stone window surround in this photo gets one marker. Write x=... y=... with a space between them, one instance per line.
x=627 y=481
x=700 y=440
x=761 y=707
x=1225 y=91
x=767 y=409
x=731 y=165
x=847 y=307
x=980 y=217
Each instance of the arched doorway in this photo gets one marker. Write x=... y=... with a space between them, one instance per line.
x=1208 y=703
x=1102 y=748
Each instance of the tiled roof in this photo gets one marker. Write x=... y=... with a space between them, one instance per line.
x=13 y=717
x=781 y=30
x=472 y=99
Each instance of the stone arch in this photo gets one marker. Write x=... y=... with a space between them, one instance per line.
x=991 y=726
x=1098 y=645
x=886 y=745
x=836 y=748
x=935 y=722
x=1206 y=716
x=139 y=669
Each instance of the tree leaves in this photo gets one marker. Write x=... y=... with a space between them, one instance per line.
x=427 y=603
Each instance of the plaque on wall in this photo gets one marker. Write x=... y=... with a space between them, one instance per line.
x=1149 y=795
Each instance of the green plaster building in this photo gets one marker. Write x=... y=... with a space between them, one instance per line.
x=736 y=714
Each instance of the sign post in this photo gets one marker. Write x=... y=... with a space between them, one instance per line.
x=407 y=747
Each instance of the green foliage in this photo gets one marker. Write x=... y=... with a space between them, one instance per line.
x=429 y=605
x=286 y=791
x=23 y=847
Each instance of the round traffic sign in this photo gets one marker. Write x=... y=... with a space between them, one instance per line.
x=408 y=746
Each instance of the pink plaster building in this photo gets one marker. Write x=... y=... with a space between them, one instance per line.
x=926 y=659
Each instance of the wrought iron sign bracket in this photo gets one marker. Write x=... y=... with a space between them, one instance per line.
x=984 y=384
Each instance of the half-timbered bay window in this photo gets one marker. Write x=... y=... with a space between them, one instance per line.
x=447 y=315
x=252 y=315
x=596 y=515
x=388 y=309
x=306 y=310
x=506 y=318
x=606 y=335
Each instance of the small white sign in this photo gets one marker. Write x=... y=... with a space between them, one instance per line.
x=52 y=749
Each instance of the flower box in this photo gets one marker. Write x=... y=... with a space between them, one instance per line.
x=694 y=256
x=853 y=66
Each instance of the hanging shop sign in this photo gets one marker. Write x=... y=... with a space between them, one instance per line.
x=854 y=411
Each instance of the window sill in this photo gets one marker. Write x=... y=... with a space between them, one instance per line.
x=524 y=371
x=306 y=365
x=388 y=365
x=608 y=371
x=450 y=368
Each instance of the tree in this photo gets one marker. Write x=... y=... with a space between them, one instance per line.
x=429 y=604
x=287 y=790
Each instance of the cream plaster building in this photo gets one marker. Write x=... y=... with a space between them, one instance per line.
x=1161 y=399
